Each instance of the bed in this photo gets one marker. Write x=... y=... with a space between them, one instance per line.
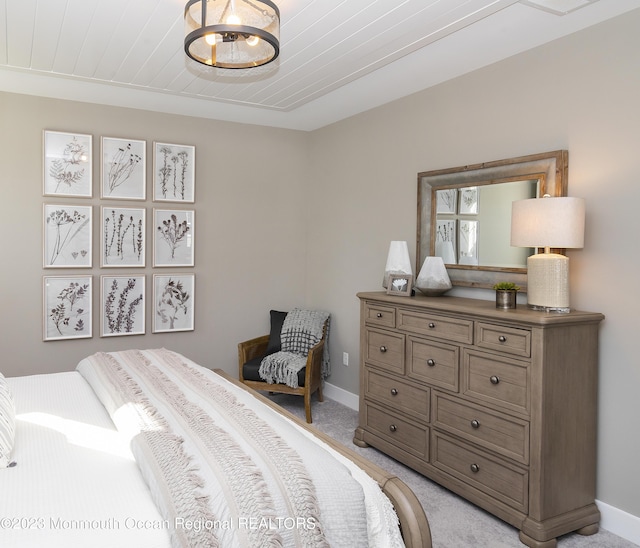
x=145 y=448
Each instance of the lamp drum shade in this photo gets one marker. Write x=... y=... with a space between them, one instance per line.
x=548 y=222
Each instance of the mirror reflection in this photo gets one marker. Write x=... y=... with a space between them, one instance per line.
x=470 y=224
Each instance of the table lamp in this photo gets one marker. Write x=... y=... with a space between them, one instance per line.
x=547 y=223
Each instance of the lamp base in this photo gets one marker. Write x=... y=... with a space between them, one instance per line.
x=561 y=309
x=548 y=282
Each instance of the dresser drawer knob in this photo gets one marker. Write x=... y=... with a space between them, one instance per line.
x=432 y=325
x=494 y=379
x=394 y=392
x=502 y=338
x=431 y=362
x=475 y=423
x=383 y=349
x=393 y=427
x=379 y=315
x=475 y=468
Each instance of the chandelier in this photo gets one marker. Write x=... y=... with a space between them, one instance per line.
x=233 y=34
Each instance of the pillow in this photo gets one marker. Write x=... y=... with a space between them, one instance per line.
x=7 y=420
x=277 y=319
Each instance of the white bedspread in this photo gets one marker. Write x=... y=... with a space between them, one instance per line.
x=253 y=479
x=75 y=483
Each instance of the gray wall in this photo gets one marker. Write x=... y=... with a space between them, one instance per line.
x=580 y=93
x=308 y=219
x=251 y=200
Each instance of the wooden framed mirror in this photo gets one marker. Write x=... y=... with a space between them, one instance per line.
x=464 y=215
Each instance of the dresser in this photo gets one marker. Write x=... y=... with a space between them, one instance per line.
x=499 y=406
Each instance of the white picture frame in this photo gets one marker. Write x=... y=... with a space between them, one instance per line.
x=173 y=302
x=67 y=164
x=468 y=242
x=445 y=240
x=66 y=305
x=67 y=236
x=173 y=237
x=122 y=237
x=174 y=172
x=123 y=168
x=446 y=201
x=469 y=200
x=122 y=308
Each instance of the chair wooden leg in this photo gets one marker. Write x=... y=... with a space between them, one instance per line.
x=320 y=396
x=307 y=406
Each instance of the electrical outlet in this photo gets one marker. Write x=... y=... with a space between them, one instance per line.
x=345 y=358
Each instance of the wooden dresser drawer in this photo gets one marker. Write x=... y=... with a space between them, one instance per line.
x=433 y=325
x=384 y=316
x=385 y=349
x=435 y=363
x=498 y=381
x=505 y=435
x=398 y=395
x=504 y=339
x=411 y=438
x=498 y=478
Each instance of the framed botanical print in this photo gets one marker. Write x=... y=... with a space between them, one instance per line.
x=445 y=240
x=67 y=164
x=468 y=242
x=123 y=168
x=67 y=307
x=446 y=200
x=122 y=237
x=122 y=305
x=174 y=173
x=173 y=302
x=67 y=236
x=470 y=200
x=173 y=237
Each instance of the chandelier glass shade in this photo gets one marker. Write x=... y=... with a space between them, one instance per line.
x=233 y=34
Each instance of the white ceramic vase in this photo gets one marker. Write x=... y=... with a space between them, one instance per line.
x=433 y=279
x=398 y=261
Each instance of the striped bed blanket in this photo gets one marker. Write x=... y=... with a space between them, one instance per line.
x=226 y=470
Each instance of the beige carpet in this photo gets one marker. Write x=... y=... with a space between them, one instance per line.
x=454 y=522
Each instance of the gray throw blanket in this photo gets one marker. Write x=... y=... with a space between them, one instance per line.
x=301 y=331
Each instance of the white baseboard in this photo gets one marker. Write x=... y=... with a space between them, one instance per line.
x=619 y=522
x=614 y=520
x=341 y=395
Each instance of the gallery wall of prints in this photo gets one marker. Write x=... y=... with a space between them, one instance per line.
x=129 y=236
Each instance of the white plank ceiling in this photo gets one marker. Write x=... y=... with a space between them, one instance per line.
x=337 y=58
